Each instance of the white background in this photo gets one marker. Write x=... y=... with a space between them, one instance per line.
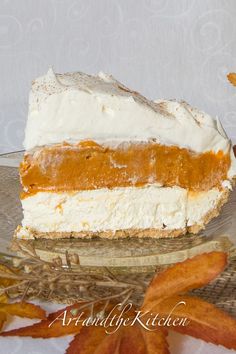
x=163 y=48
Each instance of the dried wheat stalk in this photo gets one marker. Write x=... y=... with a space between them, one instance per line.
x=36 y=278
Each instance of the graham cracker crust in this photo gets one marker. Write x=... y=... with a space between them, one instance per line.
x=139 y=233
x=213 y=213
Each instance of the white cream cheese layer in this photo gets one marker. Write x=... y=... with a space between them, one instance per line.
x=116 y=209
x=75 y=106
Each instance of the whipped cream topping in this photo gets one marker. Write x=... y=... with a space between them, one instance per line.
x=75 y=106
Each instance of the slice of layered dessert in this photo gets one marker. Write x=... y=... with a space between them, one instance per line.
x=102 y=160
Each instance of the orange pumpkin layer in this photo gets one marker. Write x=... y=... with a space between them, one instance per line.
x=87 y=166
